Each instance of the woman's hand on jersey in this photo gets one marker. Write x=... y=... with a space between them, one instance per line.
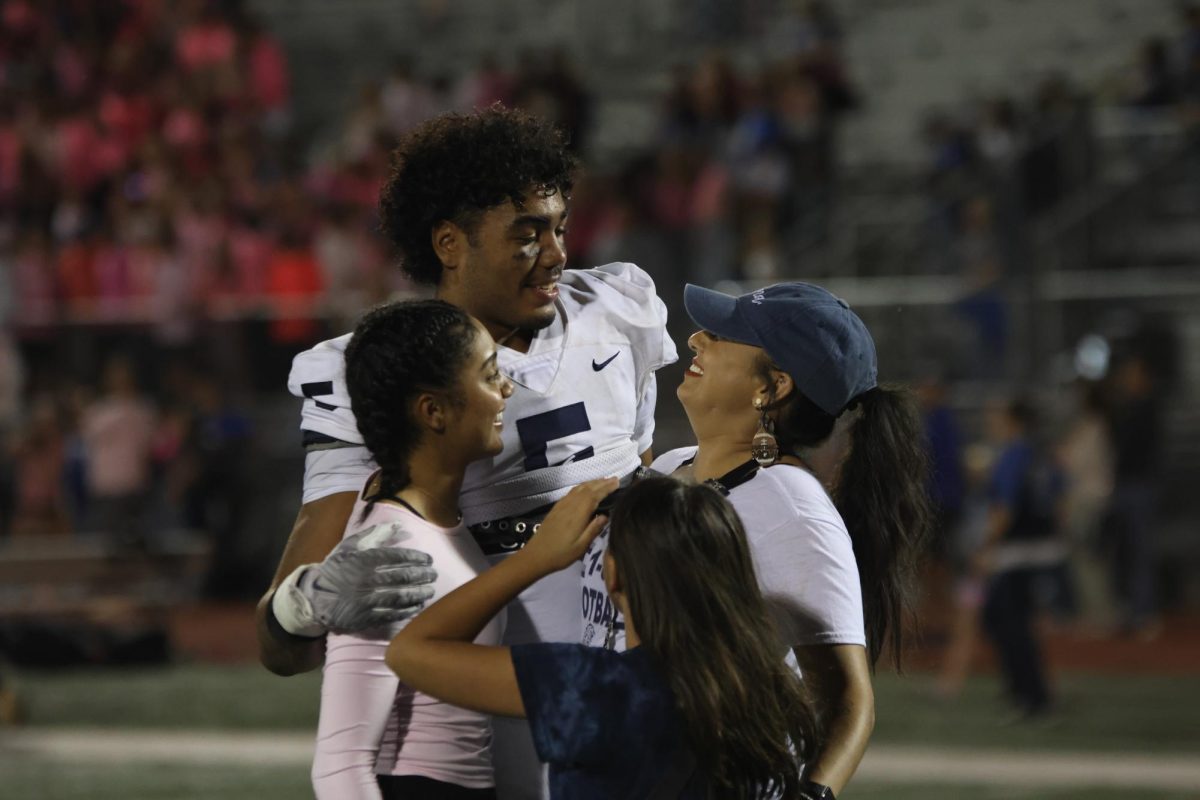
x=564 y=536
x=361 y=584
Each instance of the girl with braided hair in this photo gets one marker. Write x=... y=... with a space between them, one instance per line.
x=429 y=399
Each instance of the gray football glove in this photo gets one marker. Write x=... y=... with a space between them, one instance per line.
x=359 y=587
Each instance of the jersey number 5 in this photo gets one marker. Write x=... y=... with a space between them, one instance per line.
x=538 y=431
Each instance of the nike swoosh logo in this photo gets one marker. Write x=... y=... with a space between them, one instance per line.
x=605 y=362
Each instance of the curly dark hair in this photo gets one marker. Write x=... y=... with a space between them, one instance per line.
x=397 y=352
x=456 y=166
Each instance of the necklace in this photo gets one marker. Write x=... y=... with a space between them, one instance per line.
x=743 y=472
x=432 y=502
x=372 y=493
x=732 y=479
x=504 y=339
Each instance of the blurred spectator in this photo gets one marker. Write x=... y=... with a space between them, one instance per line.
x=100 y=131
x=118 y=434
x=950 y=174
x=266 y=65
x=1189 y=58
x=1057 y=157
x=968 y=582
x=1024 y=494
x=346 y=259
x=1137 y=436
x=405 y=101
x=555 y=92
x=986 y=308
x=947 y=478
x=11 y=386
x=999 y=136
x=1189 y=14
x=366 y=120
x=39 y=454
x=205 y=39
x=1085 y=453
x=218 y=493
x=174 y=305
x=703 y=105
x=484 y=86
x=798 y=28
x=293 y=286
x=948 y=495
x=1154 y=84
x=74 y=401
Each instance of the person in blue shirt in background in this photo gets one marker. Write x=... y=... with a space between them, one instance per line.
x=1020 y=546
x=699 y=705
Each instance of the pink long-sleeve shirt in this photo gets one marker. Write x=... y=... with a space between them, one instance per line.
x=371 y=723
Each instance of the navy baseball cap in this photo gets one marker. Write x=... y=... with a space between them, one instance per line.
x=809 y=333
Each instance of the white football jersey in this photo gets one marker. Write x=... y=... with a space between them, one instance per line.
x=582 y=408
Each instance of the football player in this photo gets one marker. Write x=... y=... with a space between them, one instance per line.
x=477 y=206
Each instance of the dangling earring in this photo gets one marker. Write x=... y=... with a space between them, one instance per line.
x=610 y=633
x=764 y=447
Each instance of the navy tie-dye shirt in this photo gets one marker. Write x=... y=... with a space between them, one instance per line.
x=605 y=722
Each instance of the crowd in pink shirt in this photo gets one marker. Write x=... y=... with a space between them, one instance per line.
x=144 y=175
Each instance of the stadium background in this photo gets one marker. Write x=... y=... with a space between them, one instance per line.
x=1007 y=191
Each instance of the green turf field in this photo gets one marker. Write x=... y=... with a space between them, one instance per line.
x=191 y=782
x=58 y=781
x=871 y=791
x=1123 y=716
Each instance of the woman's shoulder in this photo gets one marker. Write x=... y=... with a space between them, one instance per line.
x=785 y=497
x=396 y=525
x=799 y=487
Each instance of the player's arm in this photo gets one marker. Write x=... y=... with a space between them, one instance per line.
x=643 y=431
x=839 y=681
x=318 y=529
x=435 y=653
x=362 y=585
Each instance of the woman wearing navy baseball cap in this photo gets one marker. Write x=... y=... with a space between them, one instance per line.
x=773 y=372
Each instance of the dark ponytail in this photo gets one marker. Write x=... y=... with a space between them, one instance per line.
x=397 y=352
x=881 y=495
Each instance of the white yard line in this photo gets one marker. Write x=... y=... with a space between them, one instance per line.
x=950 y=765
x=125 y=746
x=883 y=764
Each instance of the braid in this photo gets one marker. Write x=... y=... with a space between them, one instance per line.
x=397 y=352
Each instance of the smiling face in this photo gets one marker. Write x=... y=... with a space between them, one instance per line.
x=476 y=421
x=505 y=270
x=721 y=384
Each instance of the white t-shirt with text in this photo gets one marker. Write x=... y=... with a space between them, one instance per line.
x=802 y=555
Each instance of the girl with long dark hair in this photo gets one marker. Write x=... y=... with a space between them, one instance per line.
x=774 y=371
x=429 y=398
x=698 y=706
